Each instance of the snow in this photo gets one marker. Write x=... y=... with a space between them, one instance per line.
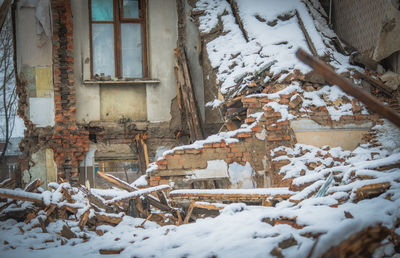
x=255 y=191
x=274 y=36
x=239 y=230
x=141 y=181
x=330 y=177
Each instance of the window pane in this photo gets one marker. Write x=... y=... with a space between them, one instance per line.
x=102 y=10
x=103 y=49
x=131 y=8
x=131 y=45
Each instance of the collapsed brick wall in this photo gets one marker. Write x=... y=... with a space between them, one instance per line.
x=255 y=147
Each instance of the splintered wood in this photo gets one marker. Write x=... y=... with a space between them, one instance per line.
x=186 y=97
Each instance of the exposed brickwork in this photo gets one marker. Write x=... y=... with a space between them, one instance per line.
x=256 y=146
x=69 y=141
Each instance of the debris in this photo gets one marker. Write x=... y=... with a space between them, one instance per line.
x=306 y=35
x=347 y=87
x=188 y=97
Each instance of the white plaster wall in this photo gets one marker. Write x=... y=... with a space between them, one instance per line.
x=41 y=111
x=28 y=51
x=87 y=96
x=162 y=37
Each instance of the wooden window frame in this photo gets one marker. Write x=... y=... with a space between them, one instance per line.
x=117 y=20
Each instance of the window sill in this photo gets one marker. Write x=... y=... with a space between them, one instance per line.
x=132 y=81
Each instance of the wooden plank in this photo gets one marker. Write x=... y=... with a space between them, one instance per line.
x=102 y=217
x=189 y=212
x=6 y=183
x=141 y=147
x=32 y=187
x=116 y=181
x=84 y=219
x=94 y=199
x=111 y=251
x=21 y=196
x=188 y=96
x=329 y=75
x=42 y=225
x=374 y=82
x=161 y=196
x=207 y=206
x=306 y=35
x=137 y=194
x=67 y=232
x=180 y=221
x=123 y=185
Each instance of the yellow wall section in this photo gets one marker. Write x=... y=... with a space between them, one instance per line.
x=347 y=139
x=118 y=101
x=44 y=80
x=50 y=166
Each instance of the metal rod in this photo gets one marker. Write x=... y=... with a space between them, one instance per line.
x=370 y=101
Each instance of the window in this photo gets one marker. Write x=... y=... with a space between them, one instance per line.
x=118 y=38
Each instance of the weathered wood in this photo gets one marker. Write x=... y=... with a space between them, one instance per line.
x=360 y=244
x=370 y=191
x=188 y=96
x=42 y=225
x=370 y=101
x=208 y=206
x=32 y=187
x=6 y=183
x=111 y=251
x=189 y=213
x=67 y=232
x=102 y=217
x=138 y=194
x=94 y=199
x=374 y=82
x=21 y=196
x=148 y=217
x=132 y=210
x=180 y=221
x=123 y=185
x=116 y=181
x=84 y=219
x=163 y=199
x=7 y=204
x=50 y=209
x=306 y=35
x=141 y=148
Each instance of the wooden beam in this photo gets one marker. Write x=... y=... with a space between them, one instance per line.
x=116 y=181
x=189 y=212
x=374 y=82
x=21 y=196
x=370 y=101
x=306 y=35
x=188 y=96
x=137 y=194
x=102 y=217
